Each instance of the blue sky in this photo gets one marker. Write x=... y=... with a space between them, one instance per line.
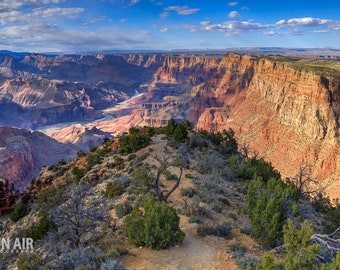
x=95 y=25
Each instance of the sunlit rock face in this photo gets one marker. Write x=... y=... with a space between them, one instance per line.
x=23 y=153
x=289 y=115
x=38 y=90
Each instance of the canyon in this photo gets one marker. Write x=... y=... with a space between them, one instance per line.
x=285 y=109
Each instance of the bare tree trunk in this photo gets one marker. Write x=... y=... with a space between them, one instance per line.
x=163 y=195
x=329 y=244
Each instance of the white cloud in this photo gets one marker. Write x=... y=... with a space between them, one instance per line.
x=294 y=26
x=52 y=1
x=182 y=10
x=57 y=12
x=271 y=33
x=205 y=23
x=320 y=31
x=134 y=2
x=232 y=4
x=18 y=17
x=307 y=21
x=9 y=5
x=165 y=29
x=54 y=38
x=164 y=14
x=233 y=27
x=233 y=14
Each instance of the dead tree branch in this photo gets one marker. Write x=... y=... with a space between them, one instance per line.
x=329 y=244
x=163 y=195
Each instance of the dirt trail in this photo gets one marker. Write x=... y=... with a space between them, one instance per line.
x=195 y=253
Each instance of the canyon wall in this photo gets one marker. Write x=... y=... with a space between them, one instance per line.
x=285 y=109
x=290 y=116
x=38 y=90
x=288 y=113
x=23 y=153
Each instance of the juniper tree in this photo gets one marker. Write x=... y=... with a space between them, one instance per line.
x=269 y=204
x=300 y=251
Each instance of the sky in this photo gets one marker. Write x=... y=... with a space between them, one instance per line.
x=99 y=25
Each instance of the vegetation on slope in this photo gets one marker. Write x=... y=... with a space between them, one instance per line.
x=116 y=198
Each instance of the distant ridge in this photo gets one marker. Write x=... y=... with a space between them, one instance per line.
x=309 y=52
x=14 y=54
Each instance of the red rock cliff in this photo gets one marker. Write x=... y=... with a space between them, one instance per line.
x=23 y=153
x=290 y=116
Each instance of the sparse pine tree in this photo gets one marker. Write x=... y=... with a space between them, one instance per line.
x=170 y=127
x=300 y=252
x=180 y=133
x=269 y=204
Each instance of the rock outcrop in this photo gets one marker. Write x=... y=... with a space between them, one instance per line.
x=79 y=136
x=23 y=153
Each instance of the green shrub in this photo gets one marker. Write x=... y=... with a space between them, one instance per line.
x=237 y=246
x=114 y=189
x=169 y=176
x=112 y=264
x=180 y=133
x=226 y=142
x=220 y=230
x=156 y=228
x=29 y=261
x=78 y=173
x=233 y=216
x=258 y=168
x=123 y=209
x=81 y=154
x=335 y=265
x=47 y=198
x=247 y=262
x=269 y=204
x=332 y=219
x=133 y=142
x=188 y=192
x=39 y=230
x=189 y=176
x=92 y=160
x=143 y=179
x=195 y=219
x=19 y=211
x=131 y=157
x=170 y=127
x=300 y=252
x=267 y=263
x=197 y=140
